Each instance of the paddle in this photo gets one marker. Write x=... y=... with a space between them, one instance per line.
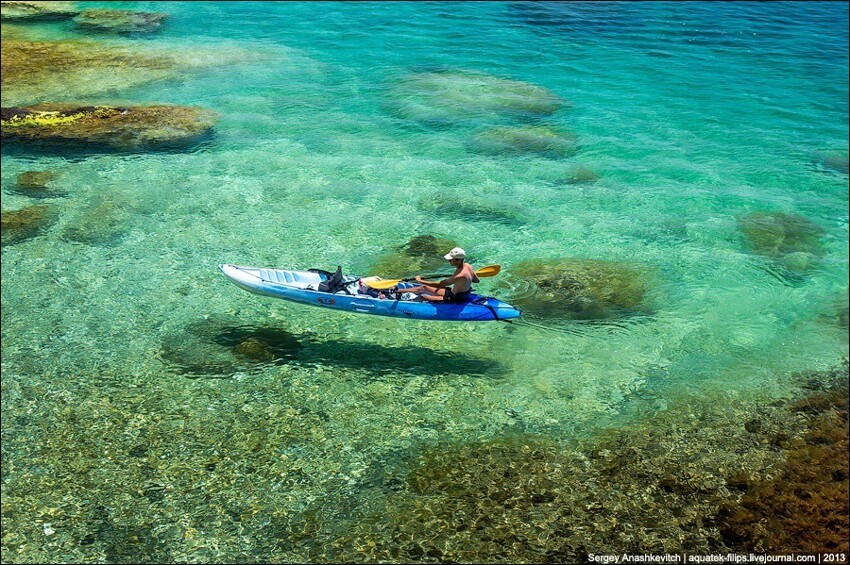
x=488 y=271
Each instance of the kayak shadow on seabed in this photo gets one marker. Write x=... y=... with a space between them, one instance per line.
x=210 y=349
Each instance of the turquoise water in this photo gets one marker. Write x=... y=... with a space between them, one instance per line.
x=692 y=115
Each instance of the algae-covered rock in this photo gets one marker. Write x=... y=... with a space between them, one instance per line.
x=837 y=161
x=447 y=97
x=128 y=128
x=585 y=289
x=475 y=209
x=421 y=253
x=103 y=224
x=702 y=475
x=792 y=241
x=37 y=11
x=23 y=224
x=34 y=179
x=119 y=21
x=544 y=141
x=803 y=506
x=581 y=175
x=36 y=184
x=775 y=234
x=40 y=71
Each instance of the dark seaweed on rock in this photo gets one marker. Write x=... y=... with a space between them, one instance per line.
x=698 y=478
x=804 y=507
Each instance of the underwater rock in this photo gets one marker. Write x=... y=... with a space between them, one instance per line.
x=804 y=506
x=100 y=225
x=689 y=478
x=218 y=349
x=37 y=11
x=23 y=224
x=448 y=97
x=38 y=71
x=254 y=349
x=466 y=503
x=842 y=315
x=581 y=175
x=34 y=179
x=793 y=241
x=35 y=184
x=544 y=141
x=119 y=21
x=129 y=128
x=466 y=208
x=421 y=253
x=835 y=160
x=584 y=289
x=427 y=246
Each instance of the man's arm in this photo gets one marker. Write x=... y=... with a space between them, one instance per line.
x=442 y=284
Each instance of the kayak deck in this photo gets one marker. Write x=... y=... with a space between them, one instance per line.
x=303 y=287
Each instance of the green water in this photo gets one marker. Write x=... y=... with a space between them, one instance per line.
x=692 y=116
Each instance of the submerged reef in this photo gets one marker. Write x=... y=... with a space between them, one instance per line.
x=449 y=97
x=129 y=128
x=101 y=224
x=838 y=161
x=421 y=253
x=37 y=11
x=41 y=71
x=26 y=223
x=34 y=179
x=543 y=141
x=804 y=506
x=37 y=184
x=699 y=476
x=790 y=240
x=583 y=289
x=474 y=209
x=842 y=310
x=581 y=175
x=119 y=21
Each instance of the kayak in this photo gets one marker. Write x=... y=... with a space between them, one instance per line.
x=304 y=287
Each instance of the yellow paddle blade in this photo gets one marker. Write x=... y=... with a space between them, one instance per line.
x=488 y=271
x=382 y=284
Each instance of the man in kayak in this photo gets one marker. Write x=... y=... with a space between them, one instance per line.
x=456 y=288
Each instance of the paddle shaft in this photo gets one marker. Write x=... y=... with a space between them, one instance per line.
x=488 y=271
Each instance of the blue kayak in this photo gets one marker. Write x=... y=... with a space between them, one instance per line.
x=304 y=287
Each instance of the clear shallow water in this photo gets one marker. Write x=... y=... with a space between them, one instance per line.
x=693 y=115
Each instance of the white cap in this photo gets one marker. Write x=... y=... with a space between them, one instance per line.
x=456 y=253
